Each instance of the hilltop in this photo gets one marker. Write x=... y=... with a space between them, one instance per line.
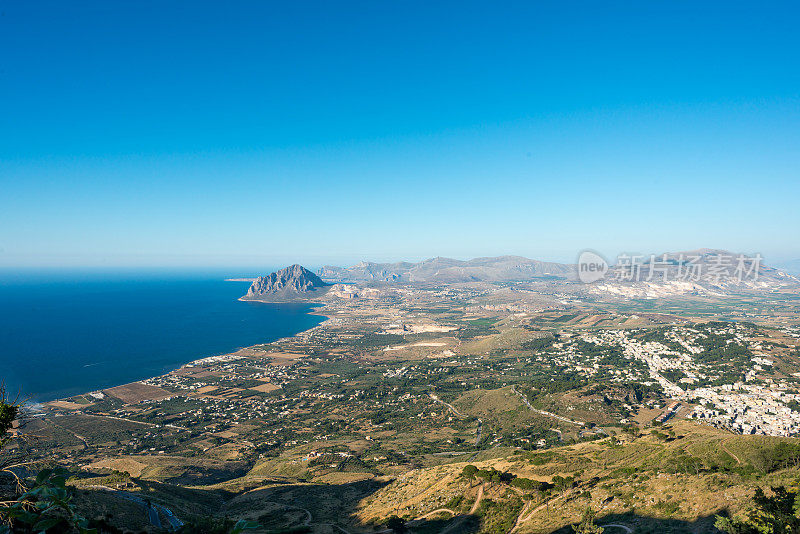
x=290 y=283
x=673 y=479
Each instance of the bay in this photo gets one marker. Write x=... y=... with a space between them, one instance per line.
x=66 y=334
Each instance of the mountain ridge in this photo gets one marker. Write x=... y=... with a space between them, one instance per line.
x=441 y=269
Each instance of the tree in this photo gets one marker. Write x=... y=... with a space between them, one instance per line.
x=587 y=524
x=563 y=483
x=524 y=483
x=772 y=514
x=43 y=504
x=396 y=524
x=469 y=472
x=8 y=413
x=47 y=504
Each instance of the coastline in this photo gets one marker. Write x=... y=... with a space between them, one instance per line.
x=227 y=356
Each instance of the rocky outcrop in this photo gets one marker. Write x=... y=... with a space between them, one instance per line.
x=292 y=282
x=348 y=292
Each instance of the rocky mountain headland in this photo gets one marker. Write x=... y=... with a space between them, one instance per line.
x=293 y=283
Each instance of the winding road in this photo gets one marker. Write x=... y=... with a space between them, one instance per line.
x=151 y=509
x=460 y=416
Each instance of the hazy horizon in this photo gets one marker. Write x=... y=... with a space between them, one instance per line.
x=261 y=266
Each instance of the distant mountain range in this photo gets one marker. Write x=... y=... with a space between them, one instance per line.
x=695 y=271
x=702 y=271
x=448 y=270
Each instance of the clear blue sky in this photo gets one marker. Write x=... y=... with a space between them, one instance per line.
x=248 y=133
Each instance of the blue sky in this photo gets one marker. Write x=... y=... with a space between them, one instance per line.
x=262 y=133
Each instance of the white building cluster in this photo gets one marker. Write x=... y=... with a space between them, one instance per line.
x=758 y=405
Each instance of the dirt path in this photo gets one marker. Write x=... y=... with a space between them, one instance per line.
x=724 y=448
x=545 y=504
x=65 y=429
x=455 y=526
x=460 y=519
x=151 y=425
x=519 y=517
x=460 y=416
x=546 y=414
x=450 y=406
x=309 y=517
x=477 y=500
x=437 y=511
x=629 y=530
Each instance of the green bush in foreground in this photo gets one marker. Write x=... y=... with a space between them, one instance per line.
x=46 y=505
x=774 y=514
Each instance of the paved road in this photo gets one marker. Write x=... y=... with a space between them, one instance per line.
x=174 y=522
x=143 y=423
x=454 y=453
x=152 y=515
x=151 y=509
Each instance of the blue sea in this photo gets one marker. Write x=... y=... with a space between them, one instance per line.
x=67 y=333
